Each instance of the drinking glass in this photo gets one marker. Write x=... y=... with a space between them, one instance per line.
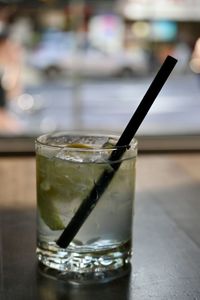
x=68 y=168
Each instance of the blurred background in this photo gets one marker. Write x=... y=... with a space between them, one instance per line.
x=85 y=65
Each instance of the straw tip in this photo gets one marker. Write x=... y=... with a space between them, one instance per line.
x=172 y=59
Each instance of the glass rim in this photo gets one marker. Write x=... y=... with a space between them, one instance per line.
x=132 y=146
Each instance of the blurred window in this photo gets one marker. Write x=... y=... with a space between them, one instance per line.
x=85 y=65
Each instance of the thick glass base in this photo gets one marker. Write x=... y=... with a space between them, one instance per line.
x=84 y=266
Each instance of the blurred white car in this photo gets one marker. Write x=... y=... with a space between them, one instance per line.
x=58 y=53
x=49 y=54
x=95 y=62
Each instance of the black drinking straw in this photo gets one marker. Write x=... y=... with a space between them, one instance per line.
x=91 y=200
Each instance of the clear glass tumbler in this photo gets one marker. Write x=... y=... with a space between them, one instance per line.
x=68 y=167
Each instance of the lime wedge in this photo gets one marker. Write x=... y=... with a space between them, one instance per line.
x=49 y=214
x=45 y=200
x=60 y=183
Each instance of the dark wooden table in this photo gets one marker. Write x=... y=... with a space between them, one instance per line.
x=166 y=261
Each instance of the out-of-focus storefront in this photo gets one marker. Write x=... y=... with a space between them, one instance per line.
x=140 y=30
x=147 y=30
x=162 y=27
x=96 y=58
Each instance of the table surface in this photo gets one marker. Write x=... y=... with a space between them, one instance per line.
x=166 y=261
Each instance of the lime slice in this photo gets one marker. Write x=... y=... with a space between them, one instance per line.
x=77 y=145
